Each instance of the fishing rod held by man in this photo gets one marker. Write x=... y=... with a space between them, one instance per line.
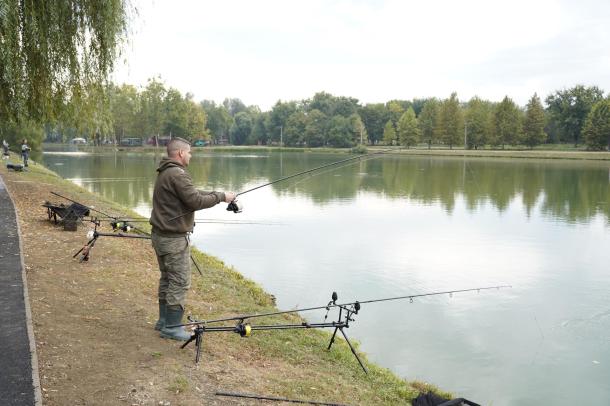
x=237 y=207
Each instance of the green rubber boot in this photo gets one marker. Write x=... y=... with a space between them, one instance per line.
x=173 y=316
x=162 y=312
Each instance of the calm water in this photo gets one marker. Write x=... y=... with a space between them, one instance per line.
x=408 y=225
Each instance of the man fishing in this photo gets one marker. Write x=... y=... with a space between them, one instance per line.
x=174 y=194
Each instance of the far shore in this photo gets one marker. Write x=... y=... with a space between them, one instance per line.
x=552 y=151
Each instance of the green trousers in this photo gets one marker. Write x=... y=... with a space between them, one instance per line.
x=173 y=255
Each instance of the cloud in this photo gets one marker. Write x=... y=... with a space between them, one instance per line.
x=372 y=50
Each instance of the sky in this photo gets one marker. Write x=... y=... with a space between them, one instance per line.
x=375 y=51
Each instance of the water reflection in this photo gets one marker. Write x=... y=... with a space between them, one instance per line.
x=568 y=191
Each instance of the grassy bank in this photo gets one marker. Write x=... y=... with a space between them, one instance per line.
x=93 y=323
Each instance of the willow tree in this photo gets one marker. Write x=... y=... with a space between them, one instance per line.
x=52 y=53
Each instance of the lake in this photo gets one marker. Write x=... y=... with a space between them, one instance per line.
x=402 y=225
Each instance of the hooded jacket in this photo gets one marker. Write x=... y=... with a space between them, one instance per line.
x=174 y=195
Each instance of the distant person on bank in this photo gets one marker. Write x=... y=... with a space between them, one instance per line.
x=25 y=152
x=175 y=199
x=5 y=153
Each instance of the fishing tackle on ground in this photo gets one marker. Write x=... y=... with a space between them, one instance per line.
x=68 y=215
x=93 y=236
x=87 y=248
x=275 y=399
x=347 y=311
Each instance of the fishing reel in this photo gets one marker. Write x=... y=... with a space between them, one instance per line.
x=235 y=207
x=244 y=330
x=121 y=226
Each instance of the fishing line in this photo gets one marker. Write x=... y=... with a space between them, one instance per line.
x=237 y=207
x=330 y=170
x=316 y=169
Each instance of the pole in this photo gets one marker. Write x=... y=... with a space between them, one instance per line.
x=465 y=134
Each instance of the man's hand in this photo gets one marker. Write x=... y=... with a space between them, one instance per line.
x=229 y=197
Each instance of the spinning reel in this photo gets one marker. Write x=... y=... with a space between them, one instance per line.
x=235 y=207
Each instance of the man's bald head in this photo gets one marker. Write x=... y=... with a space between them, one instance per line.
x=179 y=149
x=177 y=144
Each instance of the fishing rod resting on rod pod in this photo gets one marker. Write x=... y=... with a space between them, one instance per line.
x=237 y=207
x=347 y=311
x=116 y=224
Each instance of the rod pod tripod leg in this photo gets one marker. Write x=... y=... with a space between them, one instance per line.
x=198 y=338
x=351 y=347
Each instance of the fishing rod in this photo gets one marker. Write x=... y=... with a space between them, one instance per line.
x=122 y=222
x=115 y=225
x=237 y=207
x=315 y=169
x=346 y=314
x=93 y=236
x=333 y=304
x=275 y=399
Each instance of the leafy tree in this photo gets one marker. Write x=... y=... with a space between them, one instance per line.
x=196 y=119
x=389 y=133
x=259 y=132
x=234 y=106
x=294 y=131
x=241 y=128
x=427 y=121
x=345 y=106
x=219 y=121
x=569 y=108
x=597 y=127
x=175 y=114
x=124 y=105
x=451 y=121
x=277 y=118
x=374 y=117
x=52 y=51
x=340 y=132
x=507 y=123
x=418 y=105
x=408 y=128
x=315 y=130
x=152 y=113
x=395 y=110
x=331 y=105
x=478 y=119
x=533 y=126
x=358 y=129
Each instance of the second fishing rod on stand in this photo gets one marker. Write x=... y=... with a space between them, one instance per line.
x=116 y=225
x=347 y=311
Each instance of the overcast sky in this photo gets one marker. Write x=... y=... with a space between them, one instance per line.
x=375 y=51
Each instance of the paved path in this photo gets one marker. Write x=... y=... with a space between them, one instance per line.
x=18 y=380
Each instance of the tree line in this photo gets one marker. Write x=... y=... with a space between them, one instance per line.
x=578 y=115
